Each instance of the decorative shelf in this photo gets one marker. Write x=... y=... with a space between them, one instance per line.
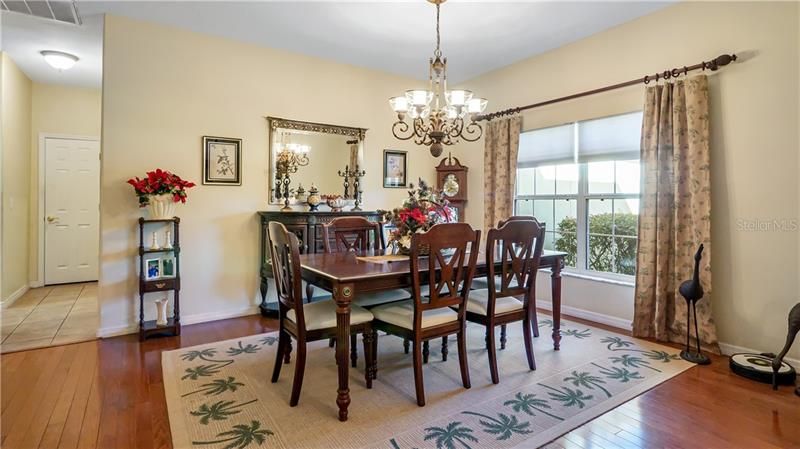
x=173 y=327
x=174 y=249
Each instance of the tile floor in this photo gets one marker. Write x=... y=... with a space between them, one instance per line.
x=50 y=316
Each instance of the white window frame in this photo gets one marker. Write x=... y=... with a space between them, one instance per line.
x=582 y=215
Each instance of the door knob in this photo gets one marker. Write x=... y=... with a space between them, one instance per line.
x=51 y=219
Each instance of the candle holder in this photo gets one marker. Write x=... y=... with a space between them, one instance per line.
x=356 y=174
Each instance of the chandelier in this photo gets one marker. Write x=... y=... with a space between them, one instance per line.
x=437 y=115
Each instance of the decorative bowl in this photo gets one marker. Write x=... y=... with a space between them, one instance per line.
x=336 y=203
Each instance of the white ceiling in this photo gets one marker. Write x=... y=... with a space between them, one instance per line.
x=23 y=37
x=396 y=37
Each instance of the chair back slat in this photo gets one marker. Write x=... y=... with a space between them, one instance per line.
x=519 y=218
x=345 y=234
x=285 y=255
x=517 y=246
x=452 y=255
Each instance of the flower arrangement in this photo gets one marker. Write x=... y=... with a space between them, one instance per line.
x=160 y=182
x=424 y=208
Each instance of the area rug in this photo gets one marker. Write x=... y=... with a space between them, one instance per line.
x=220 y=396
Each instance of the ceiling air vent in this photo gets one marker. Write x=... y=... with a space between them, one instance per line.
x=58 y=10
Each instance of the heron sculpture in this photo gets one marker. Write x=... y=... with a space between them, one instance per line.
x=794 y=327
x=692 y=291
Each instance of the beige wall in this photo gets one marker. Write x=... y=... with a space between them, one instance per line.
x=63 y=110
x=754 y=121
x=16 y=159
x=163 y=90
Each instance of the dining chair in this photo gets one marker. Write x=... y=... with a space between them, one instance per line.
x=483 y=283
x=358 y=234
x=517 y=246
x=449 y=246
x=306 y=322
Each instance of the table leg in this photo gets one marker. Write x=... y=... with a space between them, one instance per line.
x=343 y=294
x=555 y=281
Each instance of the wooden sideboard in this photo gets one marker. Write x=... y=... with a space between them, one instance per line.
x=308 y=228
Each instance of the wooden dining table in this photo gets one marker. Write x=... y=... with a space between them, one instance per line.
x=347 y=274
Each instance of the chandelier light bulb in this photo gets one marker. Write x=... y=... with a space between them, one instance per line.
x=59 y=60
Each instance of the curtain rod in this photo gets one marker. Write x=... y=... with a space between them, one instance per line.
x=713 y=65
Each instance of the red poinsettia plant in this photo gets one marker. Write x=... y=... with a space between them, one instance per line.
x=424 y=208
x=160 y=182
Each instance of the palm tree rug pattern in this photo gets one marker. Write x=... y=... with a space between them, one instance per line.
x=219 y=395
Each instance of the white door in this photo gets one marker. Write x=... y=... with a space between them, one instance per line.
x=72 y=210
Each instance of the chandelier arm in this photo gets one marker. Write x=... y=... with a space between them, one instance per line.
x=420 y=129
x=399 y=128
x=456 y=128
x=472 y=132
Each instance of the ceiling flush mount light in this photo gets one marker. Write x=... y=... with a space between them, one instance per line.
x=59 y=60
x=437 y=115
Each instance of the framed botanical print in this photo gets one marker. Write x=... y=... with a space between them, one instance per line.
x=394 y=169
x=222 y=161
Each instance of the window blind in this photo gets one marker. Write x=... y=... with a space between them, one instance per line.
x=554 y=145
x=610 y=138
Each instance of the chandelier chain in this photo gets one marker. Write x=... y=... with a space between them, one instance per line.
x=438 y=52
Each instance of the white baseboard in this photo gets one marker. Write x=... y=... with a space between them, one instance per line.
x=36 y=284
x=729 y=349
x=115 y=331
x=608 y=320
x=215 y=316
x=15 y=296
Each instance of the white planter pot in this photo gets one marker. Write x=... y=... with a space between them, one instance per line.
x=161 y=207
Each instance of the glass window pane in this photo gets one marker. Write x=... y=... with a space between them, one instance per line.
x=525 y=181
x=565 y=216
x=549 y=241
x=543 y=211
x=546 y=180
x=567 y=179
x=600 y=257
x=567 y=242
x=626 y=217
x=601 y=177
x=627 y=176
x=601 y=219
x=625 y=255
x=601 y=222
x=524 y=207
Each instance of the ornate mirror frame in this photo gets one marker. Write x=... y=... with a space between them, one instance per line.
x=276 y=123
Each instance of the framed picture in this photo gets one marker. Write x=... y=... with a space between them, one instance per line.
x=394 y=169
x=222 y=161
x=168 y=267
x=152 y=269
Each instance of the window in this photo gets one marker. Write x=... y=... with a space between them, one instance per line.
x=582 y=180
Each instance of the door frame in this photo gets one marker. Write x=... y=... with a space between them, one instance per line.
x=40 y=213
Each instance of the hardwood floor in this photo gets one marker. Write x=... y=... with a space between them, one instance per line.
x=108 y=394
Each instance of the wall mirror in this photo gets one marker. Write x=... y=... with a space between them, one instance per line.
x=305 y=153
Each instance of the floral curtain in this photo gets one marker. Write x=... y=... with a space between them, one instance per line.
x=500 y=169
x=675 y=213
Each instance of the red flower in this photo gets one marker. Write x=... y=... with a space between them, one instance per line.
x=160 y=182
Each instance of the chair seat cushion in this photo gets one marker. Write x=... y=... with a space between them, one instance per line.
x=483 y=283
x=371 y=299
x=478 y=302
x=402 y=314
x=322 y=315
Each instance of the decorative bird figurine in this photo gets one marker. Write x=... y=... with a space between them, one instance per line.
x=794 y=327
x=692 y=291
